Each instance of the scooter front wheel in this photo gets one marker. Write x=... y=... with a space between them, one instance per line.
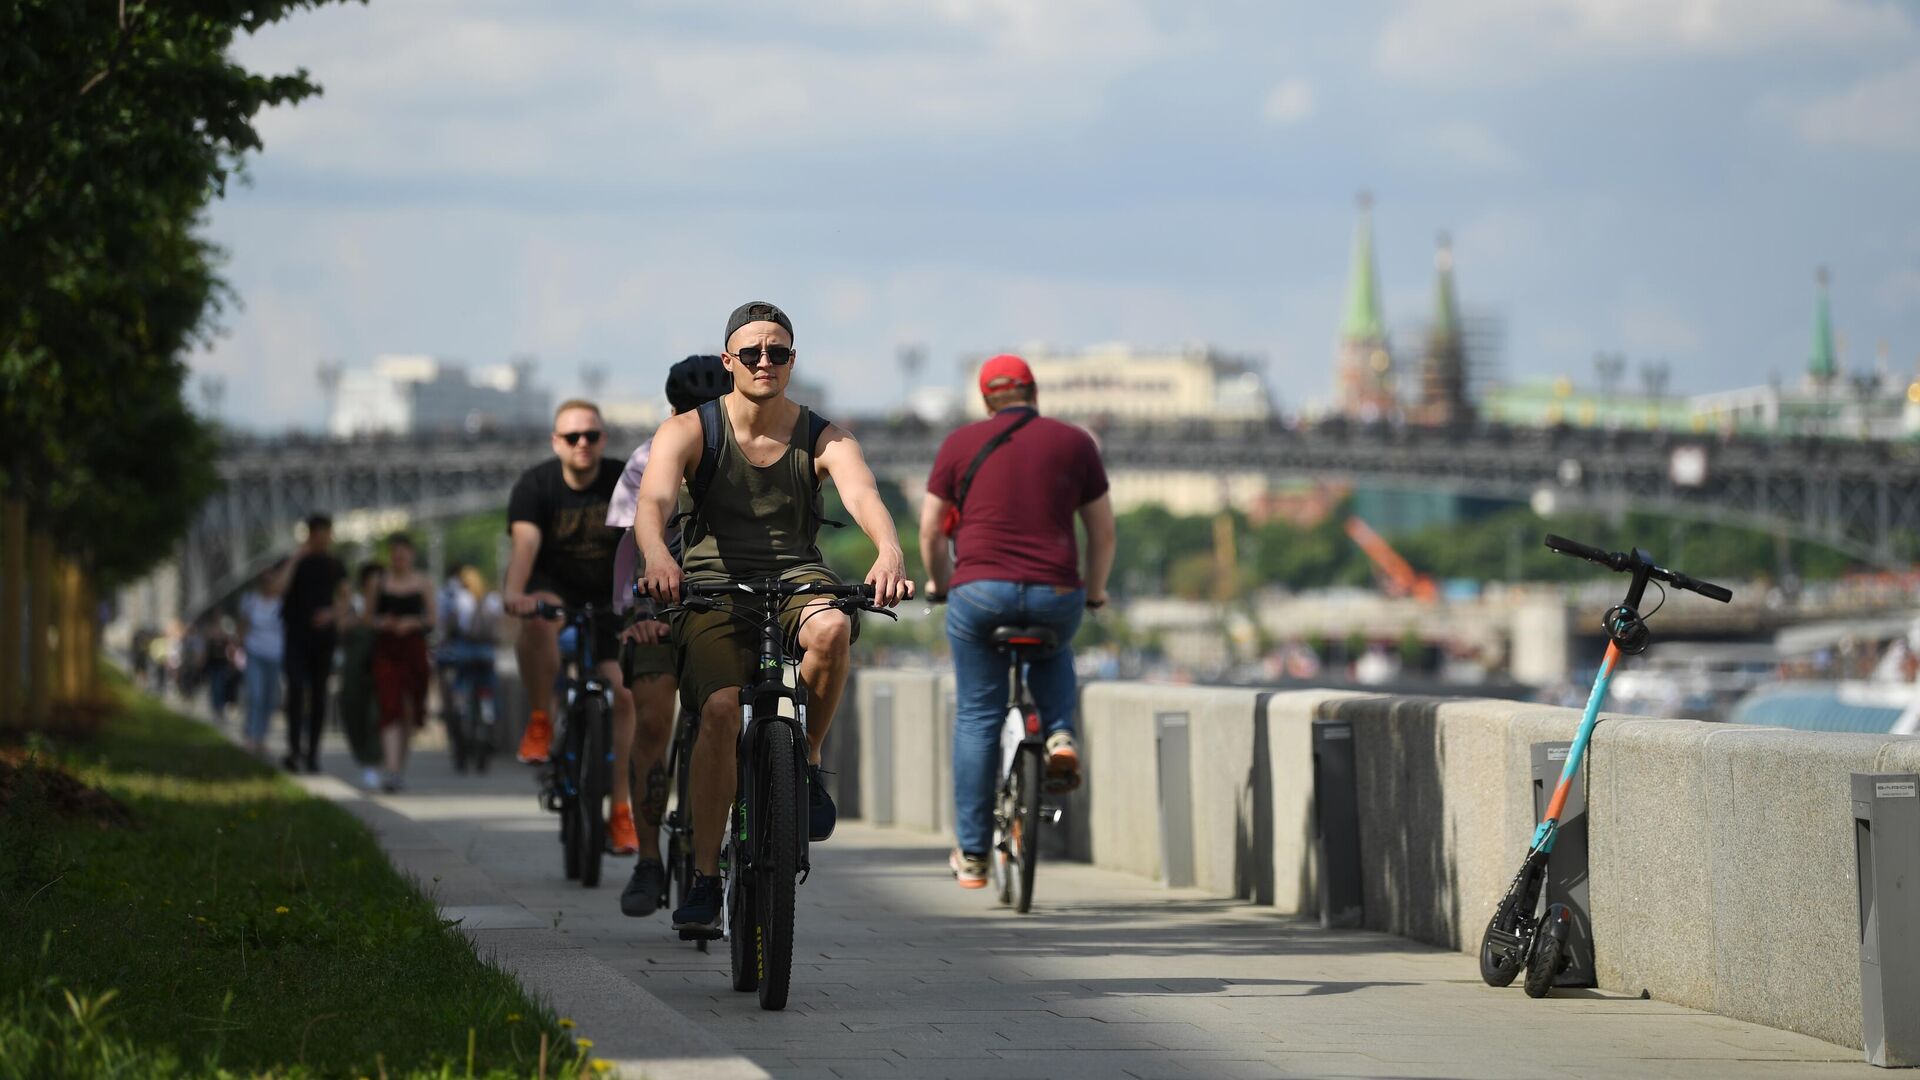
x=1548 y=947
x=1499 y=957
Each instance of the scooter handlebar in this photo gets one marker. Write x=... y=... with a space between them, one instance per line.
x=1615 y=560
x=1705 y=588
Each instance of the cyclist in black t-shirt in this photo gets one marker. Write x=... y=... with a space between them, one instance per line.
x=563 y=553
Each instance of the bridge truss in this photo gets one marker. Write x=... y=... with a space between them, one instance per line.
x=1862 y=498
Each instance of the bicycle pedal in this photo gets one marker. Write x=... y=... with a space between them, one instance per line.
x=1051 y=814
x=701 y=934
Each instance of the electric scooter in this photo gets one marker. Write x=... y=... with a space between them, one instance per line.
x=1518 y=936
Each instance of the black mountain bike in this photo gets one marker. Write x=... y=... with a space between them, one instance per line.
x=469 y=691
x=765 y=857
x=581 y=770
x=679 y=821
x=1017 y=808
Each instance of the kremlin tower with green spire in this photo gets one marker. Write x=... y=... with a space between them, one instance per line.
x=1443 y=371
x=1823 y=366
x=1364 y=374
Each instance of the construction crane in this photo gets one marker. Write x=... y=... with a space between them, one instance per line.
x=1398 y=577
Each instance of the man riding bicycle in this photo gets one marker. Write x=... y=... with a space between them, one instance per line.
x=563 y=554
x=648 y=659
x=756 y=513
x=1004 y=491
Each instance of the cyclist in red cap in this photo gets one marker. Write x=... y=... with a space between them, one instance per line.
x=997 y=535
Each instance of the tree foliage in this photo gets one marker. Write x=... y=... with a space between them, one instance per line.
x=119 y=122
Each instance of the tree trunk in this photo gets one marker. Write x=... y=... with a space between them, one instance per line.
x=13 y=612
x=40 y=603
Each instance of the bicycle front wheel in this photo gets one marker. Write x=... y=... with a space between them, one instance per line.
x=743 y=936
x=596 y=774
x=776 y=865
x=1023 y=825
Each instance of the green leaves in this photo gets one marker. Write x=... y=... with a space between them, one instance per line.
x=119 y=123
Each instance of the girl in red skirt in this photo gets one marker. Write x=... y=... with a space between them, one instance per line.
x=403 y=612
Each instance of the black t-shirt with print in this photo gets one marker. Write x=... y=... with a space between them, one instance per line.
x=576 y=544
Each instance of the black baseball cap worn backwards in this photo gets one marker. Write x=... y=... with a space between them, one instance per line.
x=756 y=311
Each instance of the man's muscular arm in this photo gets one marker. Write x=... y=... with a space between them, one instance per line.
x=676 y=449
x=841 y=459
x=526 y=547
x=933 y=546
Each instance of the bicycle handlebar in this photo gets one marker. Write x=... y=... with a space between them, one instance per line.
x=544 y=610
x=1620 y=561
x=773 y=587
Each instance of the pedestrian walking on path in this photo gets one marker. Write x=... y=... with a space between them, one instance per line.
x=403 y=614
x=311 y=612
x=263 y=642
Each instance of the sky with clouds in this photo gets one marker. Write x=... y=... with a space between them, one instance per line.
x=599 y=182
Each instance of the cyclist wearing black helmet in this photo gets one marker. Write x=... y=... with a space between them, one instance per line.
x=647 y=658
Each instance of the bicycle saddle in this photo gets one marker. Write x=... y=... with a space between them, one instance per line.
x=1032 y=637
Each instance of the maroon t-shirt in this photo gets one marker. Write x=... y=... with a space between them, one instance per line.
x=1017 y=524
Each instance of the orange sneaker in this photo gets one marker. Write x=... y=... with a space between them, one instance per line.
x=537 y=743
x=969 y=870
x=1063 y=762
x=621 y=837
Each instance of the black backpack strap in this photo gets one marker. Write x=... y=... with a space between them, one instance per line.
x=817 y=426
x=966 y=479
x=711 y=434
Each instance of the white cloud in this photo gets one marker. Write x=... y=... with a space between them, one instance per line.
x=1494 y=40
x=1881 y=113
x=1289 y=103
x=494 y=90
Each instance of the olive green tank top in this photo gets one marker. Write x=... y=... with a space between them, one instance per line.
x=755 y=521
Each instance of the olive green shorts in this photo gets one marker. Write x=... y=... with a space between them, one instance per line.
x=640 y=661
x=718 y=650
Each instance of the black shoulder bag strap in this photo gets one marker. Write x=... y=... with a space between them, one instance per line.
x=966 y=479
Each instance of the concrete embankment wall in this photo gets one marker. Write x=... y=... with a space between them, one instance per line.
x=1722 y=857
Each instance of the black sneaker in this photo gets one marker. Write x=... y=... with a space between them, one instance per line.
x=822 y=815
x=700 y=917
x=646 y=890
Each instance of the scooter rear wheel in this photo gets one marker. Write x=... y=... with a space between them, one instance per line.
x=1499 y=964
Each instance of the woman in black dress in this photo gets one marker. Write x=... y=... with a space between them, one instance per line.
x=403 y=613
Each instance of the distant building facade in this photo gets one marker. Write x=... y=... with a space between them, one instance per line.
x=1117 y=382
x=417 y=394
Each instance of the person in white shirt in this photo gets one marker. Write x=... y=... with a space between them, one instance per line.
x=263 y=640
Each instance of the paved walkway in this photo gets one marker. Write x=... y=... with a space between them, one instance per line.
x=898 y=973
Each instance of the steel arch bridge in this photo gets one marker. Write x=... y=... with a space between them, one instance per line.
x=1862 y=498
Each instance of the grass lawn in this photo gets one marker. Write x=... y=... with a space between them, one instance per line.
x=234 y=926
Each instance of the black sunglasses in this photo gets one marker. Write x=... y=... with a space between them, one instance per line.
x=777 y=355
x=573 y=437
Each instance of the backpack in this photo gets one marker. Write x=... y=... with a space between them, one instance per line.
x=713 y=417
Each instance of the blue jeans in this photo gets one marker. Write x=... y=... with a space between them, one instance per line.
x=263 y=696
x=974 y=610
